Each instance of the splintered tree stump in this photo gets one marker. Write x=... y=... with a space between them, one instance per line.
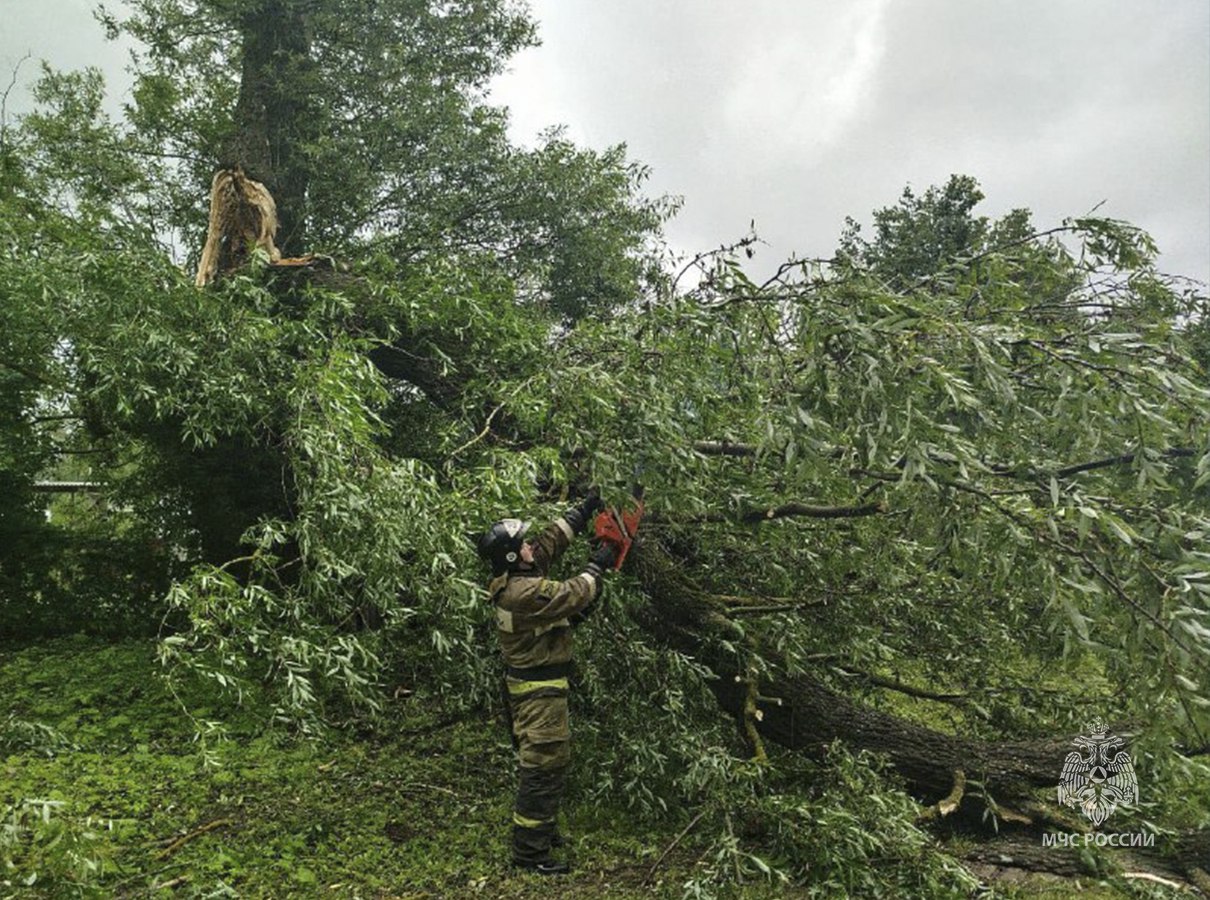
x=243 y=218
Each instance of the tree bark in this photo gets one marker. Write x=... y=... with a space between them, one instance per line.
x=1026 y=853
x=272 y=125
x=1015 y=852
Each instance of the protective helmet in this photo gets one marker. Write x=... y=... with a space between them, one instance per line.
x=500 y=545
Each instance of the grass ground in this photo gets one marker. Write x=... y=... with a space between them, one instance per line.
x=128 y=805
x=418 y=810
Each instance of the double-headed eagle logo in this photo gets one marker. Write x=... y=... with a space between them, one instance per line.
x=1098 y=776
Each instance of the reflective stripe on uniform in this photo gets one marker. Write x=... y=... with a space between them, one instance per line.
x=524 y=687
x=566 y=528
x=562 y=623
x=527 y=822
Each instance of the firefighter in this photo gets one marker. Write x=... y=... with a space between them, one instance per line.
x=534 y=617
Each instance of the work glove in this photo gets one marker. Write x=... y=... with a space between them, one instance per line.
x=580 y=617
x=579 y=516
x=591 y=504
x=601 y=561
x=604 y=556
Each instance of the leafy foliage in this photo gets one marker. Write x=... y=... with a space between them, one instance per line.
x=964 y=452
x=417 y=803
x=43 y=848
x=377 y=134
x=848 y=837
x=923 y=234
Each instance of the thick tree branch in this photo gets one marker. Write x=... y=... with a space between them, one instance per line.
x=742 y=450
x=68 y=487
x=724 y=448
x=894 y=684
x=786 y=511
x=802 y=713
x=1107 y=462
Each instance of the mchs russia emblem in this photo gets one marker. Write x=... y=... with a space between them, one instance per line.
x=1099 y=775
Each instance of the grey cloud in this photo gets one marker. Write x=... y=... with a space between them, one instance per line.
x=1054 y=106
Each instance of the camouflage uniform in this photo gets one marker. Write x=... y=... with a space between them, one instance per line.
x=534 y=616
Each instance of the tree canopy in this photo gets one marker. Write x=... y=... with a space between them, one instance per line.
x=960 y=472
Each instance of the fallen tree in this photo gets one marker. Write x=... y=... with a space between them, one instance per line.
x=800 y=712
x=979 y=782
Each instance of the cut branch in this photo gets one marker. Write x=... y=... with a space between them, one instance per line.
x=688 y=828
x=753 y=715
x=197 y=832
x=950 y=802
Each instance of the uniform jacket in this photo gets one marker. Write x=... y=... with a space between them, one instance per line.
x=534 y=613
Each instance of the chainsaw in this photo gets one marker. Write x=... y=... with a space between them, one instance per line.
x=619 y=526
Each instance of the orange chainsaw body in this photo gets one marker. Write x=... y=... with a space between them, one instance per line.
x=618 y=527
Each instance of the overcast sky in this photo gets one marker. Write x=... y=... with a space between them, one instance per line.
x=797 y=113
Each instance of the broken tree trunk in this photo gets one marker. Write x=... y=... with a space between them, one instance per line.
x=800 y=712
x=243 y=216
x=271 y=113
x=1026 y=853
